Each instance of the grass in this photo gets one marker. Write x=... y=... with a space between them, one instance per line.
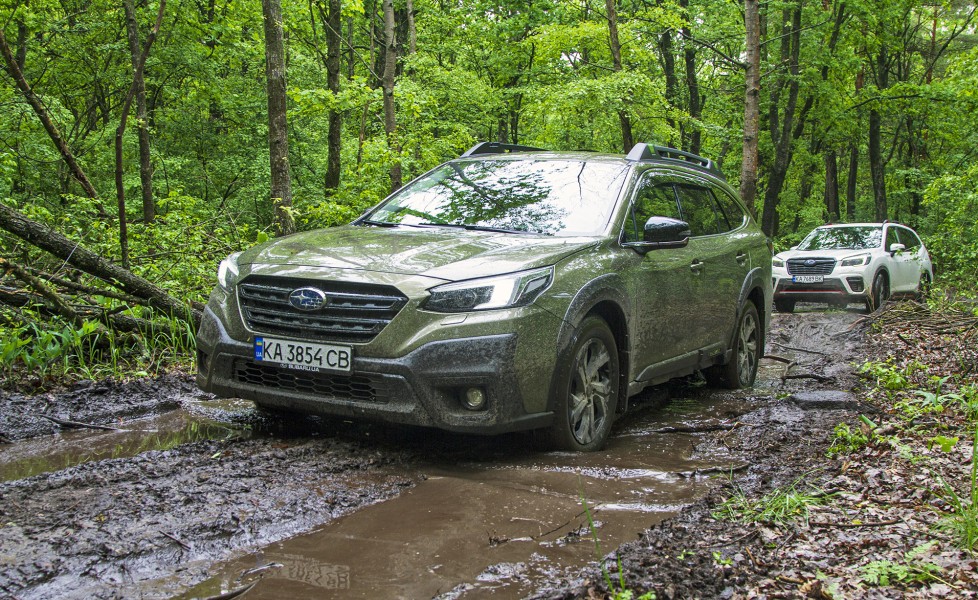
x=777 y=507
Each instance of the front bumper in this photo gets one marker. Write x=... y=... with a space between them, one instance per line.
x=834 y=288
x=421 y=388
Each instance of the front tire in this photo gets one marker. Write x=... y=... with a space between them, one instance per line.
x=880 y=291
x=588 y=389
x=784 y=305
x=741 y=371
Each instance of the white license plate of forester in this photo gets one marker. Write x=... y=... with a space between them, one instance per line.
x=808 y=278
x=303 y=356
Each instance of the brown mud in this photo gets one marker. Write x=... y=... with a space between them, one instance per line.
x=197 y=497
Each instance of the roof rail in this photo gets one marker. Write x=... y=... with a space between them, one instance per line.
x=498 y=148
x=643 y=151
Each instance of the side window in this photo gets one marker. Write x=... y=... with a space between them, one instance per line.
x=731 y=209
x=891 y=238
x=652 y=200
x=908 y=239
x=699 y=209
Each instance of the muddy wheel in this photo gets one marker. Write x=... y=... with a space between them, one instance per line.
x=588 y=390
x=881 y=291
x=784 y=305
x=741 y=371
x=923 y=287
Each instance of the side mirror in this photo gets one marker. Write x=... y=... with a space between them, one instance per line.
x=894 y=248
x=666 y=232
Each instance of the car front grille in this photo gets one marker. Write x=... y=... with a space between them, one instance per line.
x=353 y=312
x=364 y=388
x=818 y=266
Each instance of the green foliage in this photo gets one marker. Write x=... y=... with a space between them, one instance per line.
x=777 y=507
x=847 y=440
x=962 y=520
x=913 y=569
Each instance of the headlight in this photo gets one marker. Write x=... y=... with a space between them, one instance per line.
x=778 y=262
x=855 y=261
x=504 y=291
x=227 y=271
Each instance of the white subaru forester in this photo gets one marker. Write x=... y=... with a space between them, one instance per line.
x=854 y=262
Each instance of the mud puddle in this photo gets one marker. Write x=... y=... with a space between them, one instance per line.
x=193 y=423
x=478 y=527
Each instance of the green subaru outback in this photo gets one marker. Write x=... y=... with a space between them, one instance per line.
x=509 y=289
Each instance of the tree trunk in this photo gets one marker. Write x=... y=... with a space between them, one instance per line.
x=626 y=124
x=42 y=114
x=832 y=185
x=120 y=191
x=876 y=165
x=692 y=86
x=390 y=119
x=783 y=130
x=412 y=29
x=334 y=141
x=142 y=116
x=669 y=73
x=851 y=183
x=278 y=133
x=45 y=238
x=752 y=106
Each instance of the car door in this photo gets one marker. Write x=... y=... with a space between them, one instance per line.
x=721 y=263
x=664 y=288
x=904 y=269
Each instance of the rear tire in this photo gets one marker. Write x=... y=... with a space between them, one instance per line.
x=588 y=389
x=923 y=287
x=784 y=305
x=741 y=371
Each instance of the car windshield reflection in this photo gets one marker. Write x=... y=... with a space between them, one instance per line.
x=843 y=238
x=552 y=197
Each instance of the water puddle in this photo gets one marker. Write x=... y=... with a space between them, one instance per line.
x=74 y=447
x=477 y=528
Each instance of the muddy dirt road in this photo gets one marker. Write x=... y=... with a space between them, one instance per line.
x=191 y=497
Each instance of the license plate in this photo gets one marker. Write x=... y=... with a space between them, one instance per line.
x=303 y=356
x=808 y=278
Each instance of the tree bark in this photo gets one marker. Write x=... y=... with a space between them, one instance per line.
x=669 y=73
x=752 y=106
x=412 y=28
x=42 y=114
x=692 y=86
x=876 y=166
x=278 y=133
x=49 y=240
x=390 y=119
x=832 y=185
x=851 y=183
x=627 y=140
x=783 y=129
x=334 y=141
x=120 y=190
x=142 y=115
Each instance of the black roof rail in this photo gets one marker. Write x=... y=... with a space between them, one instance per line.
x=643 y=151
x=498 y=148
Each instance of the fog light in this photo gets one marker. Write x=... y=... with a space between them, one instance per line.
x=474 y=399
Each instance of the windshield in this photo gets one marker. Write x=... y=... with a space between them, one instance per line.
x=843 y=238
x=571 y=197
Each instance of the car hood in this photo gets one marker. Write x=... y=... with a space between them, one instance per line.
x=836 y=254
x=448 y=254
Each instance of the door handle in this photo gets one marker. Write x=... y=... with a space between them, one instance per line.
x=742 y=258
x=696 y=266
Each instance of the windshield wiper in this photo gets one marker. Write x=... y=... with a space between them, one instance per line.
x=477 y=228
x=379 y=223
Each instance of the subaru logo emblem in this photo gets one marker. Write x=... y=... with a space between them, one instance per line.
x=810 y=262
x=307 y=299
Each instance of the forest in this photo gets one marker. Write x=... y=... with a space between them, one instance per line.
x=143 y=141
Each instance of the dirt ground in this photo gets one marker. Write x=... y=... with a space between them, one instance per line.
x=101 y=528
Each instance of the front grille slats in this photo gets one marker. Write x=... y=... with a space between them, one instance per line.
x=353 y=312
x=820 y=266
x=363 y=388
